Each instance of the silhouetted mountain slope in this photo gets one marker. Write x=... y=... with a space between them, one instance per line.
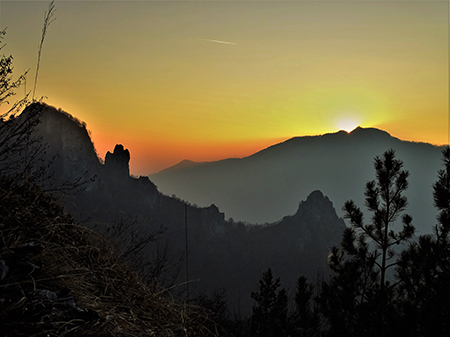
x=69 y=146
x=296 y=245
x=221 y=254
x=265 y=186
x=113 y=194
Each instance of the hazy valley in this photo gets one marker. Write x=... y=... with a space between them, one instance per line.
x=264 y=187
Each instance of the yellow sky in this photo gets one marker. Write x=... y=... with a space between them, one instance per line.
x=211 y=80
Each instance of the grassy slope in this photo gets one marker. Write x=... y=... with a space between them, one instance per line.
x=59 y=278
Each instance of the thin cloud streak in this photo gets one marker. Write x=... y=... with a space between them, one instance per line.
x=219 y=41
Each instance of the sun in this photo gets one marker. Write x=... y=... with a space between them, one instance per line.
x=347 y=124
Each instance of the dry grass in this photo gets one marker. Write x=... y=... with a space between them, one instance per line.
x=97 y=293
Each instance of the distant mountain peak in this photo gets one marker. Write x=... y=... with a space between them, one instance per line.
x=184 y=164
x=315 y=218
x=357 y=129
x=317 y=205
x=369 y=131
x=315 y=196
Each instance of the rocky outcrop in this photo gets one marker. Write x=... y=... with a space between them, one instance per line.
x=317 y=209
x=315 y=227
x=213 y=220
x=69 y=147
x=117 y=162
x=315 y=220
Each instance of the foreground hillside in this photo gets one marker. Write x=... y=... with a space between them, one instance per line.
x=61 y=279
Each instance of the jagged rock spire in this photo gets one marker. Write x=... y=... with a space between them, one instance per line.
x=118 y=161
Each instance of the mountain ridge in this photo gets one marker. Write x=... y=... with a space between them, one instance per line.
x=263 y=187
x=185 y=163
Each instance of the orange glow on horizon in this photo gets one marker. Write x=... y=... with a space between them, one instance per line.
x=152 y=157
x=156 y=76
x=149 y=158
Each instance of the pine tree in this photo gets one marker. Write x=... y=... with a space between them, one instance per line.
x=304 y=321
x=269 y=316
x=358 y=299
x=424 y=269
x=441 y=196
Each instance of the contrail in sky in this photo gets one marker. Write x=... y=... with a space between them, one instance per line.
x=218 y=41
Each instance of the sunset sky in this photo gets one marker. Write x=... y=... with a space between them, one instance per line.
x=174 y=80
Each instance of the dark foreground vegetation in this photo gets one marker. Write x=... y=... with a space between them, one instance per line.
x=61 y=279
